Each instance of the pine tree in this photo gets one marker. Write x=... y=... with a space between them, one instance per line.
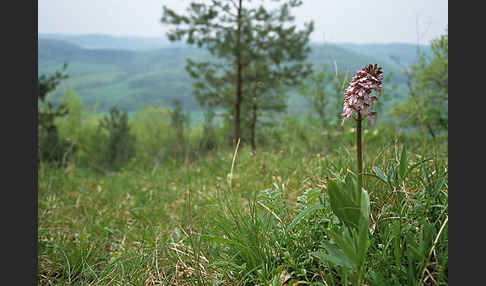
x=266 y=96
x=179 y=119
x=120 y=145
x=238 y=34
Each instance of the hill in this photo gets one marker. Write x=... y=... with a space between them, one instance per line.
x=405 y=54
x=130 y=78
x=124 y=78
x=55 y=50
x=100 y=41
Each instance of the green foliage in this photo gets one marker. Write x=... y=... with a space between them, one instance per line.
x=52 y=148
x=208 y=141
x=179 y=120
x=242 y=37
x=79 y=127
x=119 y=147
x=344 y=203
x=45 y=84
x=247 y=238
x=154 y=77
x=352 y=239
x=181 y=223
x=266 y=95
x=203 y=215
x=129 y=82
x=70 y=125
x=325 y=92
x=151 y=127
x=426 y=108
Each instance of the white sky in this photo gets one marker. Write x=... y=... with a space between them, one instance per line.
x=352 y=21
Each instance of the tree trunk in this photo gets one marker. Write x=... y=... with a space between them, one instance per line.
x=238 y=78
x=253 y=124
x=431 y=131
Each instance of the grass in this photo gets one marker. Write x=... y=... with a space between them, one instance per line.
x=192 y=224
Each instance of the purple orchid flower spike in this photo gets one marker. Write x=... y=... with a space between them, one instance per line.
x=357 y=96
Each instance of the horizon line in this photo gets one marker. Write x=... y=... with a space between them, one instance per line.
x=153 y=37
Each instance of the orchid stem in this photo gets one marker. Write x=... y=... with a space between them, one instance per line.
x=360 y=155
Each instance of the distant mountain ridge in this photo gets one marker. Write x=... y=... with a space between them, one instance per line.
x=132 y=75
x=100 y=41
x=133 y=43
x=404 y=54
x=58 y=50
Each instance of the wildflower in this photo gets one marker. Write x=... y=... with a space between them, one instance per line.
x=357 y=96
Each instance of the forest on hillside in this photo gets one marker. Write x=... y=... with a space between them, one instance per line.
x=131 y=77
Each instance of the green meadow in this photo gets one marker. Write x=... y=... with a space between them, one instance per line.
x=244 y=218
x=140 y=185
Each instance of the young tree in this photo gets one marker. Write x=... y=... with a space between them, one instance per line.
x=179 y=119
x=151 y=127
x=120 y=147
x=427 y=105
x=318 y=93
x=237 y=33
x=265 y=96
x=208 y=140
x=52 y=148
x=325 y=90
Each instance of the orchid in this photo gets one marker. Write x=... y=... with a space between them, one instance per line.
x=357 y=96
x=349 y=201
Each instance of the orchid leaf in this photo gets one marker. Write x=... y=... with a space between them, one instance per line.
x=343 y=201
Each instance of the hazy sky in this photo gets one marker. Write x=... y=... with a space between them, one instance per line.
x=355 y=21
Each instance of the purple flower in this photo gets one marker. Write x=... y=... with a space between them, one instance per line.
x=357 y=96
